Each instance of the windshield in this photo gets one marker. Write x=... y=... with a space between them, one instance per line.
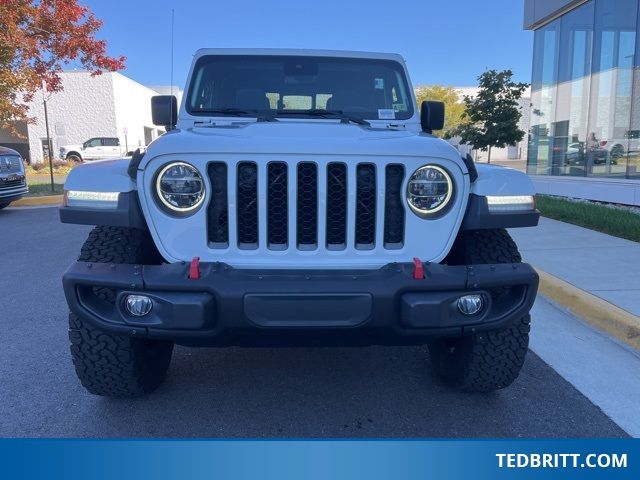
x=301 y=86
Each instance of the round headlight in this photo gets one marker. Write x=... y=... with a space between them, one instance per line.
x=180 y=187
x=429 y=190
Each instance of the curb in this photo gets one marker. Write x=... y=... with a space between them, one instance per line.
x=46 y=177
x=603 y=315
x=35 y=201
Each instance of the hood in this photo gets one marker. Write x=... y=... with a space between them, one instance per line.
x=299 y=137
x=8 y=151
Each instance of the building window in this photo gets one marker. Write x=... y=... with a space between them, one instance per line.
x=543 y=93
x=585 y=117
x=633 y=135
x=611 y=86
x=45 y=149
x=570 y=125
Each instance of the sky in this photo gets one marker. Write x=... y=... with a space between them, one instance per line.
x=445 y=42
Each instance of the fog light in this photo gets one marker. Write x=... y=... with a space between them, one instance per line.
x=470 y=304
x=138 y=305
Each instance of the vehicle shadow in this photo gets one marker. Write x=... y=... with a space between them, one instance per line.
x=339 y=392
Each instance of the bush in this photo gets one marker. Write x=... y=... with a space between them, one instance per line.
x=62 y=163
x=60 y=167
x=38 y=166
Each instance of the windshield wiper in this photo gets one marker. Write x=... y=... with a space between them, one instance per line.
x=318 y=112
x=238 y=112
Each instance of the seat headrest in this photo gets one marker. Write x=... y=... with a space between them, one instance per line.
x=252 y=99
x=356 y=98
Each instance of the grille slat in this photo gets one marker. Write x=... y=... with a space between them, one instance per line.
x=307 y=206
x=365 y=206
x=247 y=201
x=336 y=206
x=277 y=206
x=354 y=205
x=393 y=207
x=218 y=213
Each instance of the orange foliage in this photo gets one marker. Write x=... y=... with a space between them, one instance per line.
x=37 y=38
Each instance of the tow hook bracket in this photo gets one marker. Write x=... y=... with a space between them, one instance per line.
x=194 y=269
x=418 y=269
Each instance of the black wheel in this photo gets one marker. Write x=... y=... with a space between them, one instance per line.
x=74 y=157
x=4 y=205
x=106 y=363
x=489 y=360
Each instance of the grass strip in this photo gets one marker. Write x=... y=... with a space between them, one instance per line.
x=618 y=222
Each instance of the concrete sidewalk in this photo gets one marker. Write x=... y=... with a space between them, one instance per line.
x=605 y=266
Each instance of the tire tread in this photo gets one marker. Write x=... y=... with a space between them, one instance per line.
x=489 y=360
x=110 y=364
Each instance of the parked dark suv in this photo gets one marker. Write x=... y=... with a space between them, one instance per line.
x=13 y=181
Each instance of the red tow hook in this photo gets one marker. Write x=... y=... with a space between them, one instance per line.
x=194 y=269
x=418 y=269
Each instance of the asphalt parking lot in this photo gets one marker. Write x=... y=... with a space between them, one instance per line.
x=234 y=392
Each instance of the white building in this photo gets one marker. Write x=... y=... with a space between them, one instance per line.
x=107 y=105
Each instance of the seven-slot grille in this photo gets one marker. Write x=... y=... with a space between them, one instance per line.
x=306 y=206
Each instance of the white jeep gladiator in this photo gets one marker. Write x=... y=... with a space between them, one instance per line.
x=298 y=198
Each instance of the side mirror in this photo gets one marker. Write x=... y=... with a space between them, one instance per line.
x=164 y=111
x=432 y=116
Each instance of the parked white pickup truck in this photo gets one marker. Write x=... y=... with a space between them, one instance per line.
x=98 y=148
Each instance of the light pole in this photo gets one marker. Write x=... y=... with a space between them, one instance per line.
x=46 y=122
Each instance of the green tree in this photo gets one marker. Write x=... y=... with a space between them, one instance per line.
x=491 y=117
x=454 y=108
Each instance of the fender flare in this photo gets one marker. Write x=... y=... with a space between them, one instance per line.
x=104 y=176
x=494 y=180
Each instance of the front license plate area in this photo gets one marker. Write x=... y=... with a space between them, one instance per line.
x=308 y=310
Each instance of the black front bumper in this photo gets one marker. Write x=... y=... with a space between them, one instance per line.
x=228 y=306
x=10 y=191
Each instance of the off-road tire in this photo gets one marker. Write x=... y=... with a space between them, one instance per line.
x=490 y=360
x=109 y=364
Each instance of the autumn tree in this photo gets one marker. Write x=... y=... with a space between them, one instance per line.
x=454 y=108
x=491 y=117
x=37 y=39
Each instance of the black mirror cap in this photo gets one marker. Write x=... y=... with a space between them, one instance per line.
x=164 y=111
x=432 y=116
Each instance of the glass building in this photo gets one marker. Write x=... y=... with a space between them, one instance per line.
x=585 y=98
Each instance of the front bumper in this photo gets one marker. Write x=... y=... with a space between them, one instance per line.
x=228 y=306
x=12 y=187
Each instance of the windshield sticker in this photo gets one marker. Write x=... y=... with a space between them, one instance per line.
x=386 y=114
x=379 y=84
